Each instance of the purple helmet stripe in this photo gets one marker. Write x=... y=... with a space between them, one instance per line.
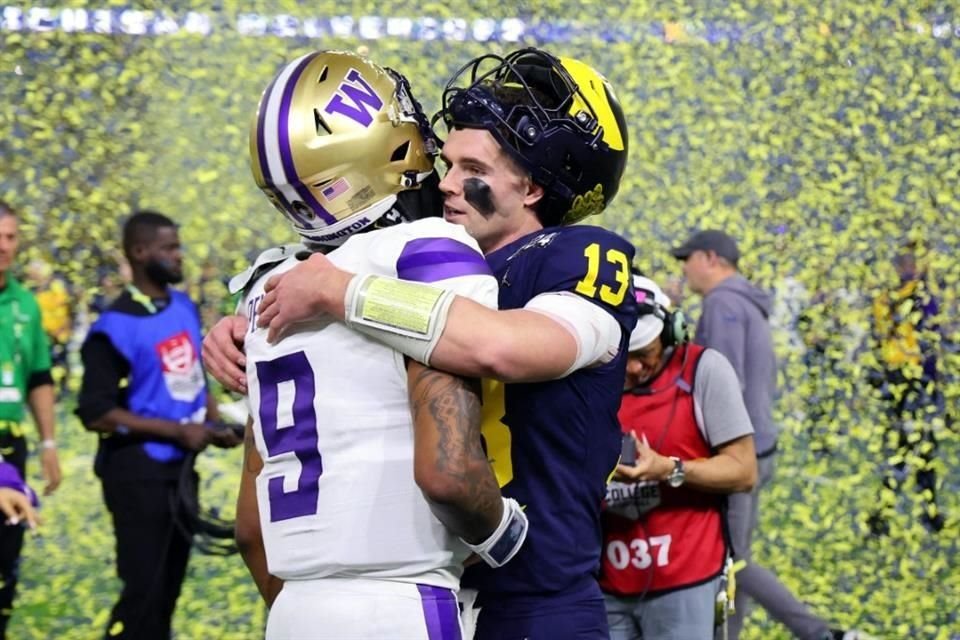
x=432 y=259
x=286 y=155
x=262 y=149
x=440 y=612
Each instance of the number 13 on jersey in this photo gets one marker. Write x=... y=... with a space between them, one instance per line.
x=588 y=285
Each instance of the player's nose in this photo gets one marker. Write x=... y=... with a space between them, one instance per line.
x=449 y=185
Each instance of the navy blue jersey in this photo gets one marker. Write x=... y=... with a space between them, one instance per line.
x=554 y=444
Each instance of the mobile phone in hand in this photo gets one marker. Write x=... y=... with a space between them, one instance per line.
x=628 y=449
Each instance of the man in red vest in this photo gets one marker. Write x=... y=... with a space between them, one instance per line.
x=688 y=442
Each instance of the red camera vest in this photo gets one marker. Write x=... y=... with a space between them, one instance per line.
x=681 y=542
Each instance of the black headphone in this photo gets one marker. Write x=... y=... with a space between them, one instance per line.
x=674 y=322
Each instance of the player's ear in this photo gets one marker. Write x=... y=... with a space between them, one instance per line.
x=138 y=251
x=533 y=194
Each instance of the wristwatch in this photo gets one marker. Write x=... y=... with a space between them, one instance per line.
x=677 y=476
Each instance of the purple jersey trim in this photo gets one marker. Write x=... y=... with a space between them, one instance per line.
x=432 y=259
x=440 y=612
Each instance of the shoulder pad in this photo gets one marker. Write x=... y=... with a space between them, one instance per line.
x=265 y=260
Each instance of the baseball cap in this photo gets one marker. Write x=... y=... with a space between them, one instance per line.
x=710 y=240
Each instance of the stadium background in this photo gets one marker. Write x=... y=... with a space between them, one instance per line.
x=824 y=137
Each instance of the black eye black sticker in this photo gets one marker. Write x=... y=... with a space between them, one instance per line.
x=480 y=196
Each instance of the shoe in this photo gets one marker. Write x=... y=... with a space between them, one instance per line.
x=849 y=634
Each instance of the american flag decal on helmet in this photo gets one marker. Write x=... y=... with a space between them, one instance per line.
x=335 y=190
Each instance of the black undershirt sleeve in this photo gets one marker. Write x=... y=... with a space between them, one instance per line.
x=38 y=379
x=103 y=370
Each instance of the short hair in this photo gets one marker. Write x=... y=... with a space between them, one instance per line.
x=141 y=227
x=7 y=210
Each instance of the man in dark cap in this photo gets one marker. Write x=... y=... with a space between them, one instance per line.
x=735 y=320
x=710 y=241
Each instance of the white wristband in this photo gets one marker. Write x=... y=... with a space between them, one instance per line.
x=406 y=316
x=48 y=444
x=507 y=538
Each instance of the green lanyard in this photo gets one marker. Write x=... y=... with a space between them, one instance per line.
x=142 y=298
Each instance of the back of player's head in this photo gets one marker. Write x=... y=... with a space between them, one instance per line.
x=336 y=140
x=558 y=118
x=141 y=228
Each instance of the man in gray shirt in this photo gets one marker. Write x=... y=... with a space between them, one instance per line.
x=734 y=320
x=688 y=443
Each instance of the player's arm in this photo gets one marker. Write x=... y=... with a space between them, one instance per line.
x=223 y=356
x=451 y=467
x=248 y=533
x=552 y=336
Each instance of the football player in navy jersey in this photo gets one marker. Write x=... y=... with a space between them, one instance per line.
x=536 y=143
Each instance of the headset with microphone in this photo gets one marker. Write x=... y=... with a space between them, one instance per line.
x=656 y=315
x=654 y=305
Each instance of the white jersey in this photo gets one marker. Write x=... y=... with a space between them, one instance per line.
x=332 y=422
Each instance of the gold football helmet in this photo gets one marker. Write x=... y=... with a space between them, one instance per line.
x=334 y=140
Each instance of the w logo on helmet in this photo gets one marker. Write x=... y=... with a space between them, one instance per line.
x=355 y=99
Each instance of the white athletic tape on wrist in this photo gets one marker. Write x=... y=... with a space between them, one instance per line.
x=406 y=316
x=507 y=538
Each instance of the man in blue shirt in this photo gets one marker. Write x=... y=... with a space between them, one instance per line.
x=150 y=338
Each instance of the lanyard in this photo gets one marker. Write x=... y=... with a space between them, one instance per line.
x=142 y=298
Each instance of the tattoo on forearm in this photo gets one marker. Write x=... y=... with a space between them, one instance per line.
x=451 y=405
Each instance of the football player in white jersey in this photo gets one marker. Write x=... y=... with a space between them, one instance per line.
x=365 y=485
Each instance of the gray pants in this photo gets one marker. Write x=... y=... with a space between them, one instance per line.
x=685 y=614
x=758 y=583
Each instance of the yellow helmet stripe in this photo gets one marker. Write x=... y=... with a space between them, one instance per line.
x=591 y=85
